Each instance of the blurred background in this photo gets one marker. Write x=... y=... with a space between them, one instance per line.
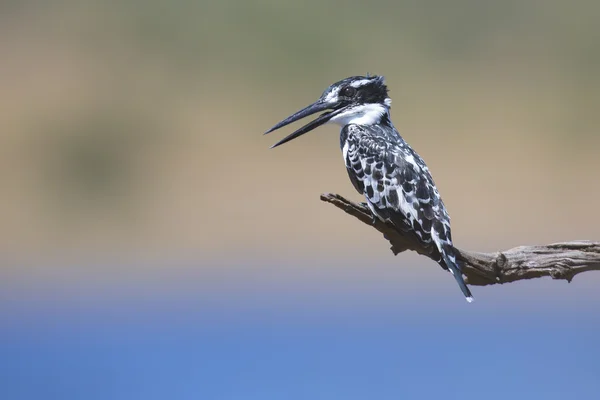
x=152 y=246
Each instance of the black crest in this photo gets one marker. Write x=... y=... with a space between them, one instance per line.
x=363 y=89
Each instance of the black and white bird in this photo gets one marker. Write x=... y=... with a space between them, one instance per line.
x=394 y=179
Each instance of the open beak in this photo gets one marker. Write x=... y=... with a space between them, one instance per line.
x=305 y=112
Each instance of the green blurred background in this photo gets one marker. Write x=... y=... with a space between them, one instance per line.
x=134 y=128
x=131 y=147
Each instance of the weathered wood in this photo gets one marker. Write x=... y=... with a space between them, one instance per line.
x=558 y=260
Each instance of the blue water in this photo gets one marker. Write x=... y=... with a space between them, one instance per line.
x=110 y=342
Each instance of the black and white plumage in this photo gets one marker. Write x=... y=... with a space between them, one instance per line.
x=393 y=178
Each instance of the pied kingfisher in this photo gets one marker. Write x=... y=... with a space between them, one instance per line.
x=394 y=179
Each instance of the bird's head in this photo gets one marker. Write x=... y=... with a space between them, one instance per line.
x=359 y=100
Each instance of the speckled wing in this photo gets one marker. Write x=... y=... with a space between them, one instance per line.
x=397 y=185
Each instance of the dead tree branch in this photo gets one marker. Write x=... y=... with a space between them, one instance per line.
x=558 y=260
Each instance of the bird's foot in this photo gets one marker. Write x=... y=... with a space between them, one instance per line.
x=373 y=216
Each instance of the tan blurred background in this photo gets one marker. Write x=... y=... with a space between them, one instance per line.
x=132 y=131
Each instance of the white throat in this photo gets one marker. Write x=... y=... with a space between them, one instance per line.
x=364 y=114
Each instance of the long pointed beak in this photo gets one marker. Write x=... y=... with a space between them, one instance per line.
x=305 y=112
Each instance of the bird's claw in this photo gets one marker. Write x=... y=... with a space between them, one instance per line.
x=374 y=220
x=373 y=216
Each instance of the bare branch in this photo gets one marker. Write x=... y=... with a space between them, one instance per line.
x=558 y=260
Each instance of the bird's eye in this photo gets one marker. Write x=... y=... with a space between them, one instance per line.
x=348 y=91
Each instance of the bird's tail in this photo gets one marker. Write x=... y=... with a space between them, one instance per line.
x=449 y=259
